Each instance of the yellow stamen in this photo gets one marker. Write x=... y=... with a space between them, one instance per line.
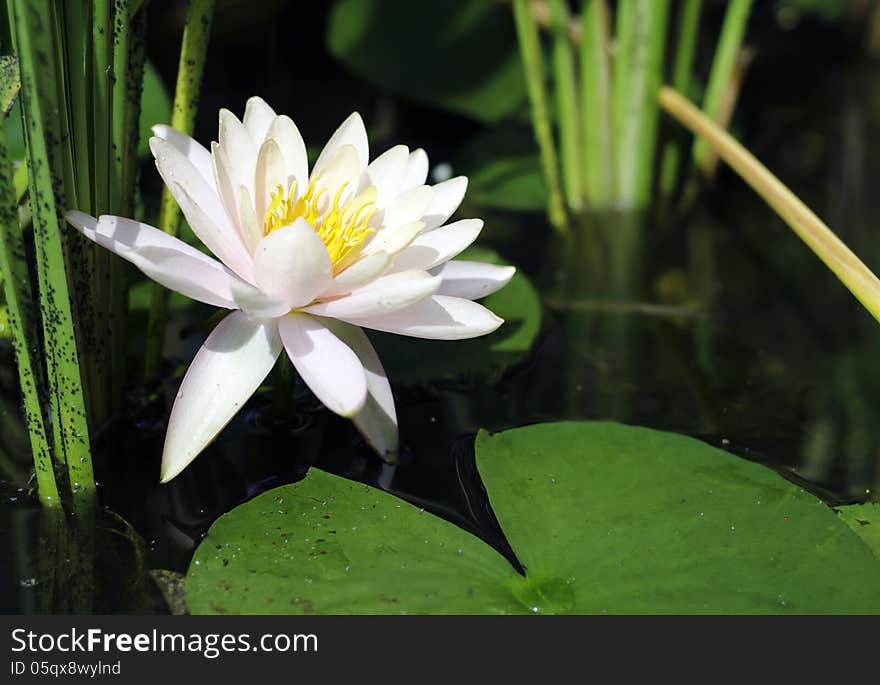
x=343 y=226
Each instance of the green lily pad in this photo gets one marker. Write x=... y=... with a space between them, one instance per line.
x=604 y=517
x=864 y=519
x=470 y=65
x=412 y=361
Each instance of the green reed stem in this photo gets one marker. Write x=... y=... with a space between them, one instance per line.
x=566 y=104
x=121 y=200
x=688 y=31
x=65 y=158
x=682 y=81
x=137 y=55
x=102 y=102
x=119 y=100
x=596 y=129
x=35 y=42
x=73 y=22
x=193 y=52
x=723 y=64
x=102 y=172
x=638 y=73
x=22 y=322
x=76 y=35
x=625 y=25
x=533 y=67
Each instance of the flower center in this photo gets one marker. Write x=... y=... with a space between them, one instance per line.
x=343 y=226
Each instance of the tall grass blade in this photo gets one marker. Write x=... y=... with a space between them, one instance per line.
x=566 y=104
x=137 y=54
x=22 y=322
x=682 y=81
x=124 y=128
x=533 y=68
x=102 y=172
x=638 y=72
x=73 y=21
x=596 y=132
x=723 y=64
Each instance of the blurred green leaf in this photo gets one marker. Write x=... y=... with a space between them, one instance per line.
x=605 y=518
x=413 y=361
x=5 y=330
x=15 y=132
x=828 y=10
x=155 y=106
x=460 y=55
x=514 y=183
x=503 y=170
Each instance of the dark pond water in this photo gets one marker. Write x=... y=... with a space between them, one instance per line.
x=716 y=322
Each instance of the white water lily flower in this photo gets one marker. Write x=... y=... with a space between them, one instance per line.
x=306 y=261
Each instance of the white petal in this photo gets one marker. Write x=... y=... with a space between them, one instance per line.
x=194 y=151
x=226 y=183
x=382 y=296
x=256 y=303
x=120 y=234
x=432 y=248
x=240 y=149
x=292 y=264
x=407 y=207
x=162 y=257
x=447 y=197
x=224 y=242
x=393 y=240
x=387 y=172
x=416 y=170
x=341 y=170
x=472 y=280
x=175 y=167
x=438 y=317
x=350 y=132
x=258 y=116
x=271 y=173
x=226 y=371
x=325 y=363
x=201 y=206
x=251 y=230
x=377 y=421
x=289 y=140
x=361 y=272
x=209 y=283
